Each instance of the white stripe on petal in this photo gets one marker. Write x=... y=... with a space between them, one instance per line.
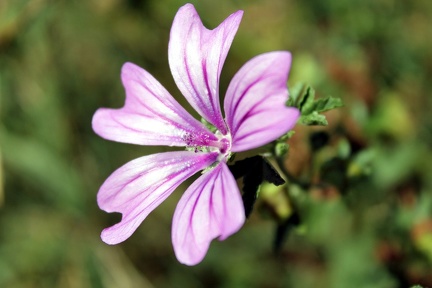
x=255 y=108
x=141 y=185
x=196 y=56
x=211 y=207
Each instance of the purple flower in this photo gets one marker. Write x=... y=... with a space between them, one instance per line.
x=255 y=114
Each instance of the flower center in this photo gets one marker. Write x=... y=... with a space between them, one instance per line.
x=222 y=145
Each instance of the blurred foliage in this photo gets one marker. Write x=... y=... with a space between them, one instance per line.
x=360 y=188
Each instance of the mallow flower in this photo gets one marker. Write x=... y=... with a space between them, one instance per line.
x=255 y=114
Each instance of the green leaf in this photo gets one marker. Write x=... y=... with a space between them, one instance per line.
x=306 y=102
x=325 y=104
x=313 y=119
x=304 y=99
x=287 y=135
x=281 y=148
x=294 y=94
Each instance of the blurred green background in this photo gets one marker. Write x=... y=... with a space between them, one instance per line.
x=365 y=211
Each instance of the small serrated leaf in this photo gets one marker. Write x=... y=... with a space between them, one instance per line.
x=294 y=94
x=306 y=102
x=280 y=149
x=313 y=119
x=286 y=136
x=310 y=109
x=325 y=104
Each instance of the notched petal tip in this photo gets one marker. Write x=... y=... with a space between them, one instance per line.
x=189 y=10
x=112 y=237
x=98 y=121
x=150 y=115
x=196 y=56
x=129 y=69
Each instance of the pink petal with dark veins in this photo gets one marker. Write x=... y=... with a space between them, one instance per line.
x=211 y=207
x=141 y=185
x=150 y=116
x=255 y=108
x=196 y=56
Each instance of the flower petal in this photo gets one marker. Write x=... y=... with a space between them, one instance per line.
x=255 y=108
x=139 y=186
x=150 y=116
x=211 y=207
x=196 y=56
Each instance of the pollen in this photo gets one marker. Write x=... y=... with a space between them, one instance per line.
x=202 y=143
